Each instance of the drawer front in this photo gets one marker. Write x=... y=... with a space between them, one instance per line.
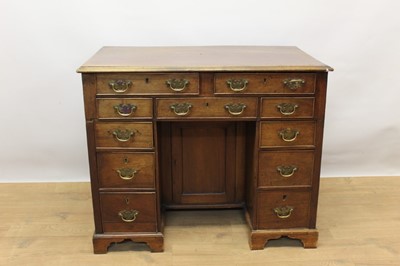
x=126 y=170
x=124 y=108
x=223 y=107
x=264 y=83
x=147 y=84
x=288 y=107
x=287 y=134
x=128 y=212
x=283 y=209
x=285 y=168
x=124 y=135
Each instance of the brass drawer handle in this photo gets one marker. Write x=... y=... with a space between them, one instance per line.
x=289 y=134
x=237 y=85
x=287 y=108
x=128 y=216
x=120 y=85
x=127 y=173
x=123 y=135
x=125 y=109
x=286 y=170
x=235 y=108
x=283 y=212
x=177 y=84
x=181 y=109
x=294 y=84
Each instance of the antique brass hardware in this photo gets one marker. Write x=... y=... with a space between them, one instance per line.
x=289 y=134
x=127 y=173
x=287 y=108
x=177 y=84
x=128 y=216
x=283 y=212
x=120 y=85
x=237 y=85
x=123 y=135
x=286 y=170
x=235 y=108
x=125 y=109
x=294 y=84
x=181 y=109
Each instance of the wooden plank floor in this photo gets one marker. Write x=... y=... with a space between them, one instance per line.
x=51 y=224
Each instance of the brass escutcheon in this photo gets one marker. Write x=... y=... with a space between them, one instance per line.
x=289 y=134
x=235 y=108
x=177 y=84
x=128 y=216
x=127 y=173
x=125 y=109
x=123 y=135
x=286 y=170
x=120 y=85
x=294 y=84
x=283 y=212
x=181 y=109
x=287 y=108
x=237 y=85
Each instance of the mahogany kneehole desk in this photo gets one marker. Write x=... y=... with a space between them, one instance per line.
x=204 y=127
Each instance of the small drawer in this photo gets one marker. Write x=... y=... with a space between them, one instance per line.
x=264 y=83
x=124 y=135
x=129 y=212
x=283 y=209
x=288 y=107
x=126 y=170
x=287 y=134
x=223 y=107
x=124 y=108
x=278 y=168
x=147 y=84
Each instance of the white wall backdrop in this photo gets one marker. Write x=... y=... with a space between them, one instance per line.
x=43 y=42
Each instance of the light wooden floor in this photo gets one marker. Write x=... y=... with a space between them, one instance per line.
x=51 y=224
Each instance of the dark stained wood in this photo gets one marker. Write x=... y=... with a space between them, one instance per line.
x=305 y=107
x=101 y=242
x=106 y=110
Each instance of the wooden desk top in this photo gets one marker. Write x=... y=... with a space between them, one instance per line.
x=201 y=58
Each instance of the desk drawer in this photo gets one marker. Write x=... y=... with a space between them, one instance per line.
x=224 y=107
x=283 y=209
x=126 y=170
x=128 y=212
x=278 y=168
x=147 y=84
x=287 y=134
x=264 y=83
x=124 y=135
x=124 y=108
x=288 y=107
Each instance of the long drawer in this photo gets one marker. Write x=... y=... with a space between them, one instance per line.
x=148 y=84
x=128 y=212
x=264 y=83
x=126 y=170
x=224 y=107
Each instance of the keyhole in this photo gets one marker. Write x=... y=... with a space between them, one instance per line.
x=284 y=197
x=126 y=160
x=147 y=80
x=127 y=200
x=207 y=104
x=265 y=80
